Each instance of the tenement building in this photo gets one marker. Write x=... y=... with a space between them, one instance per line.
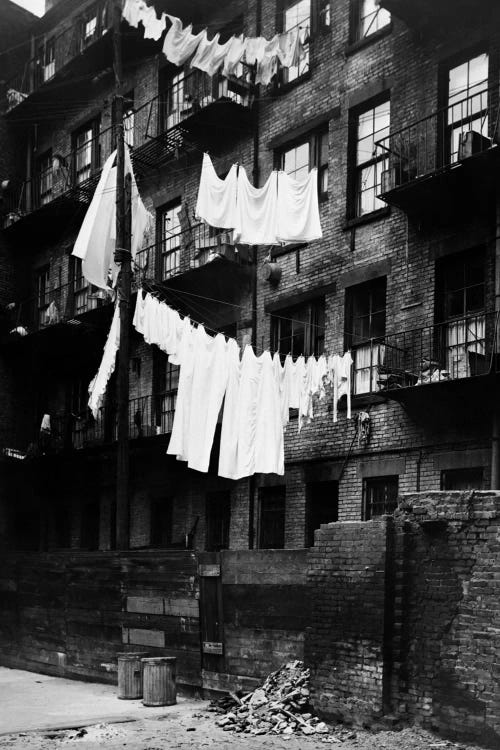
x=396 y=103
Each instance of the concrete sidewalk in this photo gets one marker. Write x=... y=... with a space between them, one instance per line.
x=31 y=701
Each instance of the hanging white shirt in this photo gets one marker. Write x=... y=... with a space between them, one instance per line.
x=280 y=374
x=298 y=209
x=209 y=384
x=255 y=48
x=269 y=441
x=268 y=66
x=216 y=203
x=296 y=374
x=98 y=385
x=257 y=210
x=133 y=11
x=178 y=445
x=210 y=55
x=180 y=43
x=234 y=55
x=153 y=26
x=230 y=417
x=138 y=319
x=341 y=369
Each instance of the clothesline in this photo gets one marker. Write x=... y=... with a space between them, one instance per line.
x=180 y=44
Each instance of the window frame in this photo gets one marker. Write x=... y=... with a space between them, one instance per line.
x=356 y=37
x=91 y=126
x=315 y=141
x=355 y=169
x=218 y=520
x=376 y=482
x=462 y=472
x=444 y=268
x=162 y=239
x=283 y=81
x=45 y=175
x=314 y=340
x=165 y=382
x=353 y=342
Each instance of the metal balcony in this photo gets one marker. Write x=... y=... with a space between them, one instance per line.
x=65 y=305
x=196 y=110
x=62 y=54
x=438 y=17
x=197 y=259
x=66 y=185
x=445 y=162
x=407 y=364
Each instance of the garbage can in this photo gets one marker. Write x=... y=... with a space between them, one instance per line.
x=130 y=674
x=159 y=675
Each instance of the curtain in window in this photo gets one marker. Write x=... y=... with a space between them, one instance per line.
x=367 y=360
x=463 y=338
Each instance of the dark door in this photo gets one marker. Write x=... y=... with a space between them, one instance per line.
x=212 y=629
x=322 y=506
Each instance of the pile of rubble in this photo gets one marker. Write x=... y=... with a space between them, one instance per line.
x=280 y=706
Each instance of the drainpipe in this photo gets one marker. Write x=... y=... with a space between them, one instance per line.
x=252 y=485
x=495 y=429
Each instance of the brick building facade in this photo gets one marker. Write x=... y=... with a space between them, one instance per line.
x=400 y=115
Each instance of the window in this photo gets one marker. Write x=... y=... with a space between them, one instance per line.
x=161 y=523
x=93 y=23
x=461 y=297
x=299 y=159
x=86 y=152
x=463 y=479
x=61 y=525
x=380 y=496
x=47 y=57
x=90 y=525
x=169 y=232
x=27 y=530
x=174 y=104
x=128 y=117
x=86 y=296
x=272 y=518
x=43 y=294
x=368 y=18
x=44 y=173
x=370 y=160
x=299 y=330
x=364 y=331
x=467 y=105
x=322 y=506
x=297 y=15
x=167 y=382
x=218 y=507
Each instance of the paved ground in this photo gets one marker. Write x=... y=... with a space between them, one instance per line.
x=47 y=713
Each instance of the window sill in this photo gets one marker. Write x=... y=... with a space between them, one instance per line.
x=354 y=47
x=278 y=252
x=284 y=88
x=381 y=213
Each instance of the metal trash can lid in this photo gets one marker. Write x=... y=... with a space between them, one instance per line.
x=131 y=655
x=159 y=659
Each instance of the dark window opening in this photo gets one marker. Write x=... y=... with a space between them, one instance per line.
x=322 y=506
x=299 y=330
x=161 y=523
x=90 y=525
x=367 y=160
x=218 y=509
x=380 y=496
x=365 y=322
x=166 y=378
x=272 y=517
x=62 y=525
x=44 y=172
x=27 y=530
x=463 y=479
x=169 y=232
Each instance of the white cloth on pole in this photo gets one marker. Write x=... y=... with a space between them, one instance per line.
x=257 y=211
x=138 y=319
x=95 y=241
x=97 y=387
x=141 y=218
x=230 y=417
x=209 y=385
x=180 y=43
x=216 y=203
x=298 y=209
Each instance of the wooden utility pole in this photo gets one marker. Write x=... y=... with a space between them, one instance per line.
x=123 y=257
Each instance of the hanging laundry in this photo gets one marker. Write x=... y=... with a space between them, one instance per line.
x=95 y=241
x=312 y=385
x=180 y=43
x=297 y=372
x=234 y=56
x=216 y=203
x=268 y=66
x=340 y=372
x=210 y=375
x=280 y=375
x=298 y=209
x=257 y=210
x=229 y=427
x=97 y=387
x=209 y=55
x=255 y=49
x=138 y=319
x=269 y=439
x=178 y=444
x=290 y=49
x=153 y=26
x=133 y=11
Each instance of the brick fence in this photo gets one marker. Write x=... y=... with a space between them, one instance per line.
x=405 y=616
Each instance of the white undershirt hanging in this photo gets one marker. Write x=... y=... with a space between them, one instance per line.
x=98 y=385
x=216 y=203
x=178 y=445
x=257 y=210
x=298 y=209
x=179 y=43
x=230 y=416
